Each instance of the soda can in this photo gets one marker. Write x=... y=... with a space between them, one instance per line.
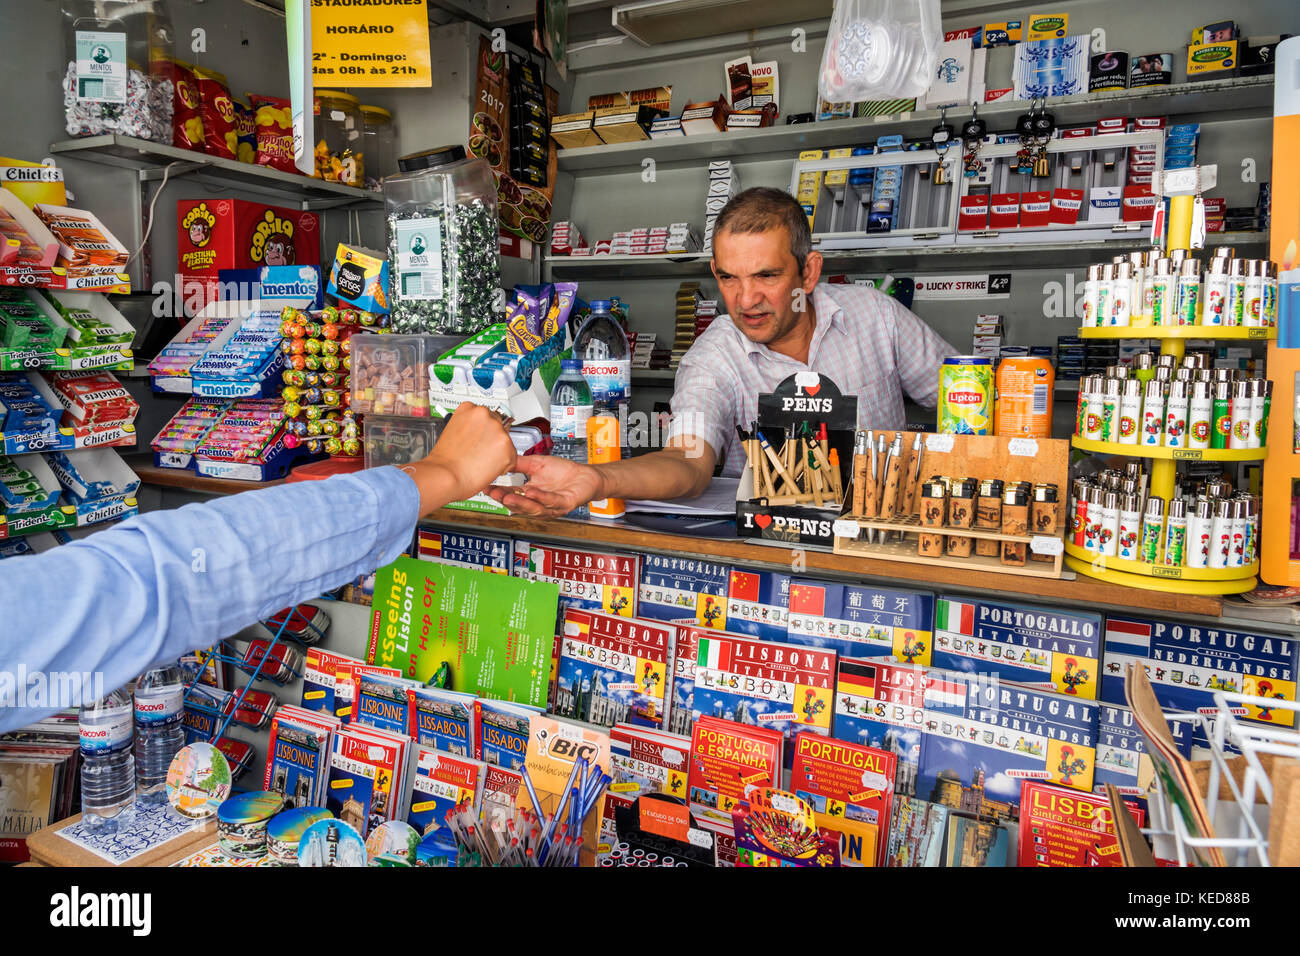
x=1024 y=398
x=966 y=395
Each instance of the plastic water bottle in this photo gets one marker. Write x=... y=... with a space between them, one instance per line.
x=571 y=406
x=602 y=345
x=107 y=768
x=159 y=734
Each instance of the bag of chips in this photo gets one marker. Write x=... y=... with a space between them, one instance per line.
x=187 y=123
x=274 y=132
x=217 y=110
x=246 y=131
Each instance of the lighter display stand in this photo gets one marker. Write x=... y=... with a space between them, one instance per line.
x=1182 y=187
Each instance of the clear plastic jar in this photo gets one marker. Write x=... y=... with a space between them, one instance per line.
x=118 y=73
x=338 y=138
x=380 y=144
x=443 y=241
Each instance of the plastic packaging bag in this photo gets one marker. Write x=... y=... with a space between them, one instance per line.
x=880 y=49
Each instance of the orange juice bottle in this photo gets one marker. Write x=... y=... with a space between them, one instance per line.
x=602 y=447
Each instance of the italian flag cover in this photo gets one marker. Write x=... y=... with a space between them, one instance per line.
x=714 y=654
x=955 y=617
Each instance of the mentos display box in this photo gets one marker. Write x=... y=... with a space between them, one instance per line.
x=486 y=551
x=1045 y=647
x=217 y=234
x=758 y=604
x=862 y=621
x=682 y=589
x=1187 y=663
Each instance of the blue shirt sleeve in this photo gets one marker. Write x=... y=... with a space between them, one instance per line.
x=168 y=582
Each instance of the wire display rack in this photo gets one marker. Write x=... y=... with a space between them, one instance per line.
x=1240 y=836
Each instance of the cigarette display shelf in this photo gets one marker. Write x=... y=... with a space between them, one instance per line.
x=922 y=254
x=1206 y=332
x=1179 y=579
x=1239 y=98
x=151 y=159
x=1161 y=453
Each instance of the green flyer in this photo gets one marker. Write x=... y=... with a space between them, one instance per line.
x=460 y=628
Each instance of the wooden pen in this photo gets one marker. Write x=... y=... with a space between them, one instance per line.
x=861 y=471
x=781 y=470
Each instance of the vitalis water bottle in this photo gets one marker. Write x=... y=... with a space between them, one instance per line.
x=571 y=407
x=159 y=706
x=107 y=769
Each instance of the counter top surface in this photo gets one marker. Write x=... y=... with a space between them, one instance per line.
x=1072 y=590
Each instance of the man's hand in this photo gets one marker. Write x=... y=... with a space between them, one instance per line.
x=473 y=449
x=555 y=486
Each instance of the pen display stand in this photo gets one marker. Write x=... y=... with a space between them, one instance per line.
x=888 y=522
x=797 y=455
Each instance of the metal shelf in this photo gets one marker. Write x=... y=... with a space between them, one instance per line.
x=1239 y=98
x=1208 y=332
x=149 y=159
x=975 y=253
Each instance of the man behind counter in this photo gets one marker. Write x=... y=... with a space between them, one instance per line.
x=781 y=322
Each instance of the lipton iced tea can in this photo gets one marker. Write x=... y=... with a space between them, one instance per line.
x=1024 y=398
x=966 y=395
x=602 y=447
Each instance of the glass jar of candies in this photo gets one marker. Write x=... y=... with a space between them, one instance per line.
x=118 y=73
x=443 y=240
x=339 y=147
x=380 y=144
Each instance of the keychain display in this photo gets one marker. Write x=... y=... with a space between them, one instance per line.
x=941 y=136
x=972 y=138
x=1035 y=129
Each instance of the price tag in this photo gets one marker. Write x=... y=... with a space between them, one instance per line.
x=874 y=781
x=700 y=838
x=1046 y=544
x=939 y=443
x=785 y=803
x=1025 y=447
x=572 y=629
x=843 y=528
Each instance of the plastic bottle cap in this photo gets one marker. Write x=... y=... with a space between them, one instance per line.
x=600 y=305
x=571 y=365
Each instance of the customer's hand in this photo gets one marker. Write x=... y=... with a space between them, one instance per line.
x=555 y=486
x=473 y=449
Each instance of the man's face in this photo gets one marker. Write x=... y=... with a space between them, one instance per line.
x=757 y=277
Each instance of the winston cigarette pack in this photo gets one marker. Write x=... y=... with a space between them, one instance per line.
x=862 y=621
x=614 y=670
x=983 y=738
x=1048 y=648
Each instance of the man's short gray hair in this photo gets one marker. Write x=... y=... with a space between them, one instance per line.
x=761 y=209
